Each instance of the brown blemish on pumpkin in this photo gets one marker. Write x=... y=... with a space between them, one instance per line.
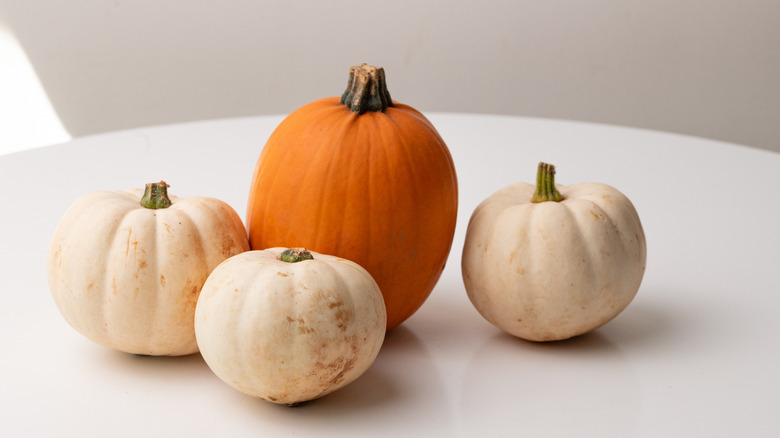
x=330 y=374
x=597 y=216
x=348 y=365
x=227 y=245
x=341 y=320
x=341 y=366
x=343 y=316
x=520 y=270
x=302 y=328
x=134 y=243
x=162 y=280
x=282 y=274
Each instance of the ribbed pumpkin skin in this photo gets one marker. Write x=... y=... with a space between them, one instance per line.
x=553 y=270
x=378 y=188
x=128 y=277
x=289 y=332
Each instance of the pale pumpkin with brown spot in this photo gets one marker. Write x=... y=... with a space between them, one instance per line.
x=547 y=262
x=289 y=326
x=127 y=276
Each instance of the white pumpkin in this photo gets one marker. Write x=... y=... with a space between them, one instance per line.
x=128 y=276
x=555 y=268
x=290 y=326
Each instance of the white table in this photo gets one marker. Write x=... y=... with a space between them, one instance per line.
x=695 y=355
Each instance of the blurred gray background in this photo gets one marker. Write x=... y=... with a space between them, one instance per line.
x=708 y=68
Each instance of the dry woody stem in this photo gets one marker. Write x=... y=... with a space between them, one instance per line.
x=366 y=90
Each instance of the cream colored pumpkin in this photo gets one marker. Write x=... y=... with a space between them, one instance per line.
x=289 y=332
x=128 y=277
x=552 y=270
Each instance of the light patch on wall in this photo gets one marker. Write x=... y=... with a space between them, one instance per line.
x=27 y=119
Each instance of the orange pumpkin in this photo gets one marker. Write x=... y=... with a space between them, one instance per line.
x=364 y=178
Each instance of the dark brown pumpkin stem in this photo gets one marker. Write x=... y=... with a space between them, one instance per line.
x=295 y=255
x=366 y=90
x=156 y=196
x=545 y=185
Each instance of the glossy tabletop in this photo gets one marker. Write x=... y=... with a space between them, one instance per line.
x=696 y=353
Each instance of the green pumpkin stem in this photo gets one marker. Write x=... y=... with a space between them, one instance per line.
x=156 y=196
x=545 y=185
x=366 y=90
x=295 y=255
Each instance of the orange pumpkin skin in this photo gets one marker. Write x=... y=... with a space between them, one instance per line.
x=377 y=188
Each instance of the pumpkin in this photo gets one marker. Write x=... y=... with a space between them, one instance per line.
x=549 y=262
x=289 y=325
x=125 y=267
x=364 y=178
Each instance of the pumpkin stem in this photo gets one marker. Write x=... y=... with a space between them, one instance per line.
x=545 y=185
x=295 y=255
x=366 y=90
x=156 y=196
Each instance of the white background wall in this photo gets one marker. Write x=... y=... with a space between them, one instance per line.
x=709 y=68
